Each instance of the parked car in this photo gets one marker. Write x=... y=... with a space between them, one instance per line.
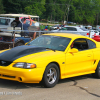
x=51 y=57
x=73 y=29
x=5 y=22
x=98 y=27
x=96 y=37
x=55 y=27
x=94 y=32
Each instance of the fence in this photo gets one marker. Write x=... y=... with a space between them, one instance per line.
x=13 y=38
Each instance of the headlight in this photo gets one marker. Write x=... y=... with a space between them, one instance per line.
x=24 y=65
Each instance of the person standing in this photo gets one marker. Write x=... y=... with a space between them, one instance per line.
x=16 y=22
x=25 y=27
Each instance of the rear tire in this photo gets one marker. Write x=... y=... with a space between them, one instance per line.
x=97 y=71
x=51 y=76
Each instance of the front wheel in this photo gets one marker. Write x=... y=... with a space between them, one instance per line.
x=51 y=75
x=19 y=44
x=97 y=71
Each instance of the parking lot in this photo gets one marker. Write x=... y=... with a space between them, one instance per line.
x=77 y=88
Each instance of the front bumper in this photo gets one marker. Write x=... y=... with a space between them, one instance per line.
x=21 y=74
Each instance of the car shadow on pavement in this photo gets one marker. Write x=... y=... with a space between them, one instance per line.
x=75 y=78
x=18 y=85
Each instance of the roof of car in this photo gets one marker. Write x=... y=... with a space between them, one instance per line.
x=72 y=26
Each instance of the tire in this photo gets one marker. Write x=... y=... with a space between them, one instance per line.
x=97 y=71
x=19 y=44
x=51 y=76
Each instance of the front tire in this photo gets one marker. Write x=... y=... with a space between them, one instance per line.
x=51 y=75
x=19 y=44
x=97 y=71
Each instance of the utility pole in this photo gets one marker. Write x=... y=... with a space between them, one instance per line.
x=67 y=14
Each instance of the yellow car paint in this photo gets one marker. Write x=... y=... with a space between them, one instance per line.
x=70 y=64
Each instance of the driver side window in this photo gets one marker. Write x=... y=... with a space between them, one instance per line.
x=80 y=44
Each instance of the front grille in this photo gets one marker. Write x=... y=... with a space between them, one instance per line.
x=4 y=63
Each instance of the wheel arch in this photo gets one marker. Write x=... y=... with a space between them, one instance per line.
x=57 y=65
x=49 y=83
x=19 y=40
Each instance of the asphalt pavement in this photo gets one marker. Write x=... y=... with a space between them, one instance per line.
x=77 y=88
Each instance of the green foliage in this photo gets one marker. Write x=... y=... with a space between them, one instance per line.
x=84 y=11
x=80 y=11
x=1 y=7
x=35 y=7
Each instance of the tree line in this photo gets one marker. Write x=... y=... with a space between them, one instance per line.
x=78 y=11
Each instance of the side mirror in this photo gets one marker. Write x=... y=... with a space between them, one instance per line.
x=73 y=50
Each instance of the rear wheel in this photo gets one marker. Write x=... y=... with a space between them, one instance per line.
x=97 y=71
x=51 y=75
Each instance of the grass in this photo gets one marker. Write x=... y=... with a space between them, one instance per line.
x=43 y=27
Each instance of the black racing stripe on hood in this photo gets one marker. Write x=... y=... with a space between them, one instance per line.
x=20 y=51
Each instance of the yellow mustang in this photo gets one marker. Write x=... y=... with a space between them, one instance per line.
x=51 y=57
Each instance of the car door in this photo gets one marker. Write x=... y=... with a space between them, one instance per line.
x=79 y=63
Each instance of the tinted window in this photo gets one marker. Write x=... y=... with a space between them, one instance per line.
x=80 y=44
x=4 y=21
x=71 y=29
x=64 y=28
x=91 y=44
x=83 y=44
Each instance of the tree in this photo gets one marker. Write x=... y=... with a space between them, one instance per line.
x=84 y=11
x=14 y=6
x=1 y=7
x=81 y=11
x=35 y=7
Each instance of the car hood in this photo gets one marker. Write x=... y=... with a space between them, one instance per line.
x=20 y=51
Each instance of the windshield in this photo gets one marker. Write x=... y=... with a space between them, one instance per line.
x=84 y=29
x=51 y=42
x=4 y=21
